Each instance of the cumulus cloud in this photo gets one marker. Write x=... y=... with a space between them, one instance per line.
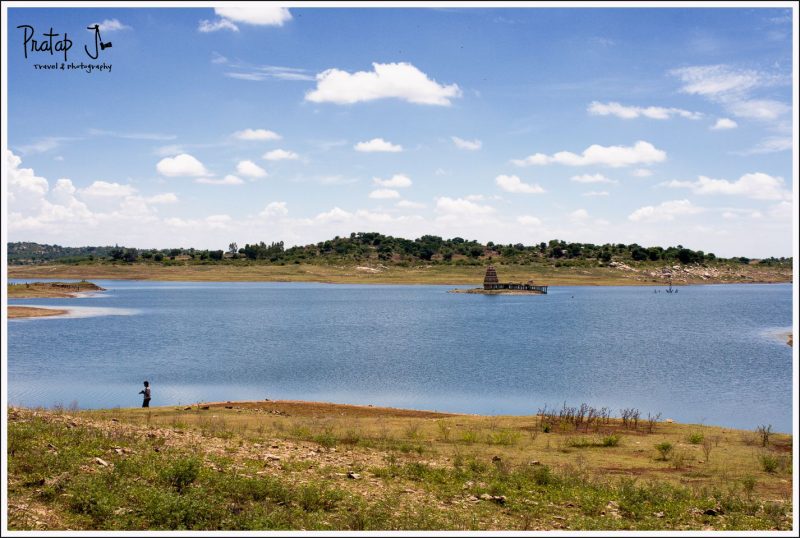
x=180 y=166
x=515 y=185
x=408 y=204
x=386 y=81
x=664 y=211
x=615 y=156
x=280 y=155
x=163 y=198
x=631 y=112
x=275 y=209
x=104 y=189
x=461 y=207
x=396 y=181
x=758 y=186
x=724 y=123
x=578 y=215
x=470 y=145
x=230 y=179
x=111 y=25
x=528 y=220
x=378 y=145
x=336 y=214
x=256 y=134
x=382 y=194
x=255 y=14
x=592 y=178
x=759 y=109
x=250 y=169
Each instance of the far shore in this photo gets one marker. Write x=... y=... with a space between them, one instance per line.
x=454 y=275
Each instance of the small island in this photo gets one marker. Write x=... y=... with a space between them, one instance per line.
x=39 y=290
x=493 y=286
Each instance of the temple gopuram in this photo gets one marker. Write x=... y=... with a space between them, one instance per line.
x=491 y=282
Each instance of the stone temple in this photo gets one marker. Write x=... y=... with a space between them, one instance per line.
x=491 y=282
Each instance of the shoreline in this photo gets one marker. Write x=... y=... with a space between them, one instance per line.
x=27 y=312
x=420 y=275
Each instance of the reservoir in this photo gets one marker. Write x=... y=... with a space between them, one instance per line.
x=713 y=354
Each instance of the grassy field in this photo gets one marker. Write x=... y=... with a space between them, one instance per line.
x=310 y=466
x=642 y=275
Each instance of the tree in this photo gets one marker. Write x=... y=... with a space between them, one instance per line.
x=233 y=248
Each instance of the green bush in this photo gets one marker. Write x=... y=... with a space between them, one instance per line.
x=611 y=440
x=664 y=449
x=181 y=473
x=769 y=462
x=695 y=438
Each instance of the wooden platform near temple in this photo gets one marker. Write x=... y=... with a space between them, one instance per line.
x=493 y=286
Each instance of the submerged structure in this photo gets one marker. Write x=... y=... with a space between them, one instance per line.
x=491 y=282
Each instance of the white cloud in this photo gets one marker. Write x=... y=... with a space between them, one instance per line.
x=615 y=156
x=230 y=179
x=378 y=145
x=758 y=186
x=386 y=81
x=250 y=169
x=396 y=181
x=111 y=25
x=470 y=145
x=218 y=221
x=592 y=178
x=595 y=193
x=280 y=155
x=334 y=215
x=528 y=220
x=104 y=189
x=732 y=87
x=759 y=109
x=382 y=194
x=461 y=206
x=665 y=211
x=772 y=144
x=23 y=179
x=642 y=172
x=181 y=165
x=724 y=123
x=256 y=14
x=515 y=185
x=256 y=134
x=207 y=26
x=275 y=209
x=163 y=198
x=630 y=112
x=714 y=80
x=578 y=215
x=407 y=204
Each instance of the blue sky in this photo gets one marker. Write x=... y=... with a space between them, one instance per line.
x=655 y=126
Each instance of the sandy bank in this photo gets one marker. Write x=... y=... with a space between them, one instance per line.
x=31 y=312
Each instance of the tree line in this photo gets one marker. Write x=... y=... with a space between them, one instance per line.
x=365 y=247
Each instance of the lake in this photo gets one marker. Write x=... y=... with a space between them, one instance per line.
x=712 y=354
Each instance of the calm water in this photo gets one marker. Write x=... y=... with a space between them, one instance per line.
x=713 y=354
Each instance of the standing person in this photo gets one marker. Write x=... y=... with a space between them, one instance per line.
x=146 y=392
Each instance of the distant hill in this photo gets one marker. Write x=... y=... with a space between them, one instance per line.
x=372 y=247
x=28 y=253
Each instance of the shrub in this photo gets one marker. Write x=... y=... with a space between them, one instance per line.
x=664 y=449
x=695 y=438
x=469 y=436
x=181 y=473
x=610 y=440
x=769 y=462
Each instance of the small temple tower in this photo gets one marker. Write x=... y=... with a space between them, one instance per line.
x=490 y=281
